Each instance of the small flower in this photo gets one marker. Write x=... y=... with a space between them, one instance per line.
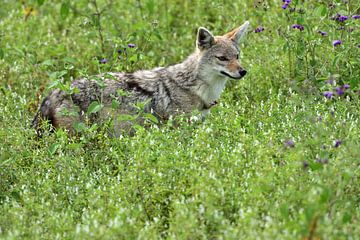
x=305 y=164
x=342 y=18
x=330 y=81
x=286 y=3
x=119 y=51
x=131 y=45
x=356 y=17
x=103 y=61
x=289 y=143
x=259 y=29
x=339 y=91
x=298 y=26
x=346 y=86
x=336 y=43
x=337 y=143
x=323 y=33
x=328 y=94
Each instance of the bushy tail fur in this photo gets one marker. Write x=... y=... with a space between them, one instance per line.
x=44 y=113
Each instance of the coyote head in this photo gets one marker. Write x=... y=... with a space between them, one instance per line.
x=220 y=54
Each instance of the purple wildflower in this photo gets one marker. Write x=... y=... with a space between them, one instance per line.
x=259 y=29
x=323 y=33
x=339 y=91
x=336 y=43
x=356 y=17
x=103 y=61
x=305 y=164
x=131 y=45
x=346 y=86
x=342 y=18
x=298 y=26
x=119 y=51
x=289 y=143
x=330 y=81
x=337 y=143
x=328 y=94
x=285 y=6
x=286 y=3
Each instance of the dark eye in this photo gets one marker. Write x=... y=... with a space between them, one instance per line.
x=222 y=58
x=237 y=56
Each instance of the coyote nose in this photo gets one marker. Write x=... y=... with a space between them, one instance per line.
x=242 y=72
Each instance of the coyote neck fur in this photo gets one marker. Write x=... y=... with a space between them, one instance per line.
x=204 y=82
x=193 y=76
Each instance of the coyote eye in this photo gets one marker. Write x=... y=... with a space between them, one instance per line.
x=222 y=58
x=237 y=56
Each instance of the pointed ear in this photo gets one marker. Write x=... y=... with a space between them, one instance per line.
x=204 y=38
x=238 y=33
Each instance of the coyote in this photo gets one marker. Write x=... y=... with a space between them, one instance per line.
x=195 y=84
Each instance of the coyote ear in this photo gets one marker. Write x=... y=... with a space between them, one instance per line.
x=204 y=38
x=238 y=33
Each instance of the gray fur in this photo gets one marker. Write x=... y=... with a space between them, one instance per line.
x=194 y=84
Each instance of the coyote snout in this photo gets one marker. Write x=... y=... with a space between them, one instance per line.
x=235 y=70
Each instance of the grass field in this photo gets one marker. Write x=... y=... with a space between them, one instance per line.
x=278 y=158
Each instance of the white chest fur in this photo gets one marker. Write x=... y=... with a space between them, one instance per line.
x=211 y=89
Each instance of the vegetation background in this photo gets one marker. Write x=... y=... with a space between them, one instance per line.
x=278 y=158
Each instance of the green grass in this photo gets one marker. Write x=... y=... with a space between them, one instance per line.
x=230 y=177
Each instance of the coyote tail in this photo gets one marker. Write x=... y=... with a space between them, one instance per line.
x=44 y=113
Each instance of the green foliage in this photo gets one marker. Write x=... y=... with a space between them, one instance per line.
x=274 y=160
x=94 y=107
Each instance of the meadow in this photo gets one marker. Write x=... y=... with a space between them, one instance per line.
x=277 y=158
